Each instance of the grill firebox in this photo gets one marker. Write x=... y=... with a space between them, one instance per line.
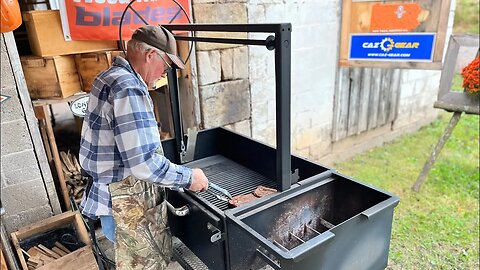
x=236 y=163
x=331 y=223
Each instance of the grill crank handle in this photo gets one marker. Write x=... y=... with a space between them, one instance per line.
x=179 y=212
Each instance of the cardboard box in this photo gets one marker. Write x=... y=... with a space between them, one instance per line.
x=89 y=65
x=54 y=77
x=45 y=35
x=31 y=235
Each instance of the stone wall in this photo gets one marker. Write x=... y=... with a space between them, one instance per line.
x=27 y=189
x=223 y=68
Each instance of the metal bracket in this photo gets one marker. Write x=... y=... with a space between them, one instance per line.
x=295 y=176
x=217 y=234
x=188 y=154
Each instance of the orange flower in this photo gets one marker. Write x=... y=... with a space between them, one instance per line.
x=471 y=76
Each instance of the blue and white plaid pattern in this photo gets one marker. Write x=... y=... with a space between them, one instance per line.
x=120 y=138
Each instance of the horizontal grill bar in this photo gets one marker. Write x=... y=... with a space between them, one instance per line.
x=237 y=179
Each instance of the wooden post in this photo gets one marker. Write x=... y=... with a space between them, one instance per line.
x=436 y=152
x=56 y=158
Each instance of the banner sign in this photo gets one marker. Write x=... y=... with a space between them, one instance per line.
x=397 y=17
x=99 y=19
x=392 y=47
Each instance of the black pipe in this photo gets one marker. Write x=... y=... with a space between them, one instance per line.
x=176 y=112
x=282 y=45
x=248 y=28
x=260 y=42
x=282 y=98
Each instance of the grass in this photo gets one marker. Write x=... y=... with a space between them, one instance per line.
x=438 y=227
x=457 y=83
x=466 y=17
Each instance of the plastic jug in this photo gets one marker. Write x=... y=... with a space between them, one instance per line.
x=11 y=17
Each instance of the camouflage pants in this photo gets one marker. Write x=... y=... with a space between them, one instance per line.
x=143 y=239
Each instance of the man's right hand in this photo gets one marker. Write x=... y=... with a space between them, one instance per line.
x=199 y=181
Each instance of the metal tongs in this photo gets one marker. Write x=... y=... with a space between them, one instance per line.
x=219 y=193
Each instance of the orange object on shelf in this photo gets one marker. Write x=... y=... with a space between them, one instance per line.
x=11 y=17
x=397 y=17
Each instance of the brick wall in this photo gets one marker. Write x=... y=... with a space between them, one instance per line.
x=26 y=189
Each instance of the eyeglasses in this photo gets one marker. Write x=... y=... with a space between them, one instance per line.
x=167 y=66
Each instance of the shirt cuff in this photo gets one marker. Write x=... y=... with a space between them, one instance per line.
x=187 y=177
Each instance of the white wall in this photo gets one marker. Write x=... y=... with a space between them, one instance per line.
x=315 y=26
x=315 y=44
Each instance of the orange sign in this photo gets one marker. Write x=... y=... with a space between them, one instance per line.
x=100 y=19
x=398 y=17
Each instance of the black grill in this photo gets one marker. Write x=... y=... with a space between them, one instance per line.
x=228 y=174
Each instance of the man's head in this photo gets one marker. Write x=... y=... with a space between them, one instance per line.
x=160 y=38
x=152 y=50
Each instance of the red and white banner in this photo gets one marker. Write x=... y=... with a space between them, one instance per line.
x=100 y=19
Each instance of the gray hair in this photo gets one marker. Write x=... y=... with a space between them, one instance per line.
x=139 y=46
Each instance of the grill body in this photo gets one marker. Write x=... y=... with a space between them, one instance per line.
x=333 y=222
x=238 y=164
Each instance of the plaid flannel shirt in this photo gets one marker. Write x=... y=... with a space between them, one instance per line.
x=120 y=138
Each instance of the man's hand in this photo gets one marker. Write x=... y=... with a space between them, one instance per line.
x=199 y=181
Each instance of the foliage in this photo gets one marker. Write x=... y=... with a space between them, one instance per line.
x=471 y=76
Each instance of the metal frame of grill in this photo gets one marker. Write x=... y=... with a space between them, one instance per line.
x=281 y=43
x=340 y=213
x=248 y=163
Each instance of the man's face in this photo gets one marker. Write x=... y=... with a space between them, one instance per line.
x=158 y=66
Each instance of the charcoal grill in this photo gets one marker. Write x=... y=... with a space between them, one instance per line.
x=239 y=239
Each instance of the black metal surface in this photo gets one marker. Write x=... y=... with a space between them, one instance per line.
x=282 y=98
x=176 y=112
x=194 y=231
x=247 y=163
x=235 y=178
x=282 y=45
x=252 y=28
x=328 y=223
x=232 y=161
x=258 y=42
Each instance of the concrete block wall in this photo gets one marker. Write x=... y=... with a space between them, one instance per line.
x=23 y=191
x=224 y=89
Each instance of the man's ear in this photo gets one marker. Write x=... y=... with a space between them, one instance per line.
x=149 y=55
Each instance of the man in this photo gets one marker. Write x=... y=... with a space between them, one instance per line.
x=120 y=148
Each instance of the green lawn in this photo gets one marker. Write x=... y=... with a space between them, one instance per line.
x=466 y=17
x=438 y=227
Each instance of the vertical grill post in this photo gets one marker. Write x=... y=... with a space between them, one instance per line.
x=282 y=46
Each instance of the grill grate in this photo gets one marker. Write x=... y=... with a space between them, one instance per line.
x=228 y=174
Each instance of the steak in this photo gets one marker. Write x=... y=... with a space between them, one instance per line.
x=241 y=199
x=261 y=191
